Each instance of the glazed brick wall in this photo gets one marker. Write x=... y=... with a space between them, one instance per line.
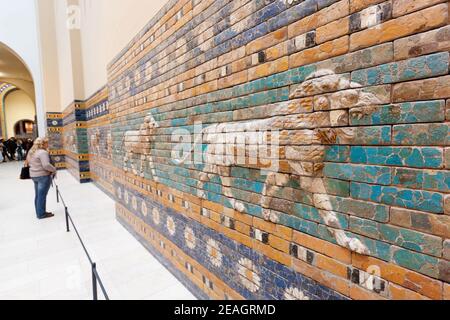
x=55 y=137
x=378 y=166
x=100 y=141
x=75 y=141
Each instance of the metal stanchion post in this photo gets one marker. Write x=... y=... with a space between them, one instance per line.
x=94 y=282
x=67 y=220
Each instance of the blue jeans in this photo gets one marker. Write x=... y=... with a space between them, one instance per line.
x=41 y=188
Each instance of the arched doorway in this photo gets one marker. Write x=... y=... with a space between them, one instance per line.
x=17 y=95
x=24 y=129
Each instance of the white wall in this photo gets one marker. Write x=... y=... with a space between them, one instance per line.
x=107 y=26
x=18 y=106
x=19 y=31
x=47 y=28
x=64 y=54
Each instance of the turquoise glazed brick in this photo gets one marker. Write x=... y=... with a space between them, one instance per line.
x=337 y=153
x=405 y=238
x=418 y=112
x=422 y=135
x=418 y=179
x=377 y=212
x=377 y=249
x=370 y=136
x=415 y=261
x=368 y=174
x=311 y=213
x=402 y=157
x=417 y=68
x=405 y=198
x=247 y=185
x=337 y=187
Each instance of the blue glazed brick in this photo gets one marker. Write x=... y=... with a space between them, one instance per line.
x=405 y=238
x=418 y=112
x=368 y=174
x=377 y=249
x=369 y=136
x=405 y=198
x=417 y=68
x=402 y=157
x=422 y=135
x=297 y=12
x=310 y=213
x=415 y=261
x=337 y=153
x=419 y=179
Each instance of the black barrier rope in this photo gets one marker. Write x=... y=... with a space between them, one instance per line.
x=96 y=280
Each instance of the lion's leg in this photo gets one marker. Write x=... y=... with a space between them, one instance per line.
x=125 y=161
x=273 y=182
x=204 y=177
x=141 y=167
x=133 y=164
x=224 y=173
x=330 y=218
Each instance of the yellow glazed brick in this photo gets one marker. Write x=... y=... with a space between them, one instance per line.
x=324 y=51
x=265 y=42
x=403 y=277
x=333 y=30
x=321 y=18
x=268 y=69
x=401 y=27
x=402 y=7
x=358 y=5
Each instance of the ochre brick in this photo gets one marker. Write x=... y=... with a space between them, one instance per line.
x=234 y=79
x=402 y=7
x=438 y=225
x=284 y=232
x=279 y=244
x=323 y=247
x=267 y=41
x=330 y=265
x=268 y=68
x=324 y=51
x=321 y=18
x=339 y=284
x=242 y=228
x=447 y=204
x=358 y=5
x=358 y=293
x=231 y=56
x=423 y=43
x=399 y=293
x=276 y=255
x=435 y=88
x=401 y=27
x=447 y=116
x=277 y=51
x=333 y=30
x=403 y=277
x=447 y=291
x=264 y=225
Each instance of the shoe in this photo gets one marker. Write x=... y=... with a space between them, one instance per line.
x=48 y=215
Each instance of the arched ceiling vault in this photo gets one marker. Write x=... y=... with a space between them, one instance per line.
x=13 y=71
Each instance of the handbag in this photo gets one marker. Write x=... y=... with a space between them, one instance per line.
x=25 y=173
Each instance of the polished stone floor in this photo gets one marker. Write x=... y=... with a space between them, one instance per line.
x=39 y=260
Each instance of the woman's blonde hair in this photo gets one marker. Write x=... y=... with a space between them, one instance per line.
x=39 y=144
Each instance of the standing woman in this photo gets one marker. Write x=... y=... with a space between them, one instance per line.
x=41 y=172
